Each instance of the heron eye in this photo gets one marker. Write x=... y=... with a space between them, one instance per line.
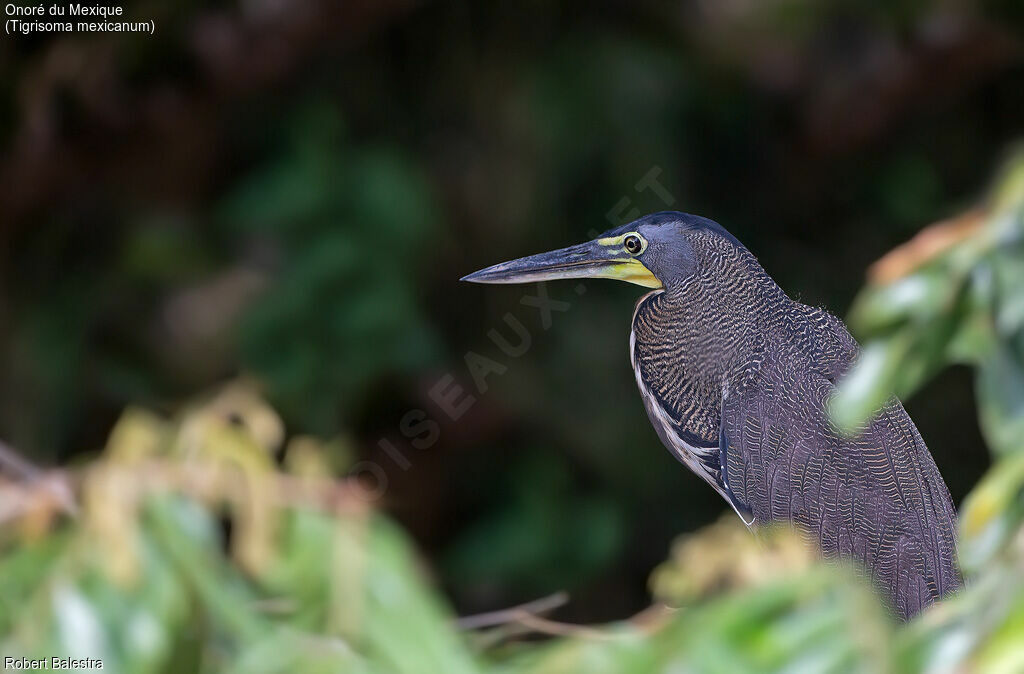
x=633 y=244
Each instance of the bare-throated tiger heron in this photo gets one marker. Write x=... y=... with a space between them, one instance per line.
x=736 y=377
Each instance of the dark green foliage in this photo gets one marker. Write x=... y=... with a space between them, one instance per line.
x=348 y=227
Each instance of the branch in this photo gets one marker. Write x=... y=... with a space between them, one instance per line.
x=513 y=614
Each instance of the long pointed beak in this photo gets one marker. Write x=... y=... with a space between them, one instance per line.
x=601 y=258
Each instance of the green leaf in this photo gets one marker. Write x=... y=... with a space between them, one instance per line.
x=1000 y=388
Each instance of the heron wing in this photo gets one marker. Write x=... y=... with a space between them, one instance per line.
x=877 y=497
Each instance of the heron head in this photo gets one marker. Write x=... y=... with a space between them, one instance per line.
x=655 y=251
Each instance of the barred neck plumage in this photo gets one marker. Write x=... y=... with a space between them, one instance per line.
x=704 y=331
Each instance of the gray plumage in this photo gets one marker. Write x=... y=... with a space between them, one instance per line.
x=735 y=377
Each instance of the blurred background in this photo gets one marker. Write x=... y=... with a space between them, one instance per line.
x=288 y=192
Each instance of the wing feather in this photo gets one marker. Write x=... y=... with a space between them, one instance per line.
x=877 y=497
